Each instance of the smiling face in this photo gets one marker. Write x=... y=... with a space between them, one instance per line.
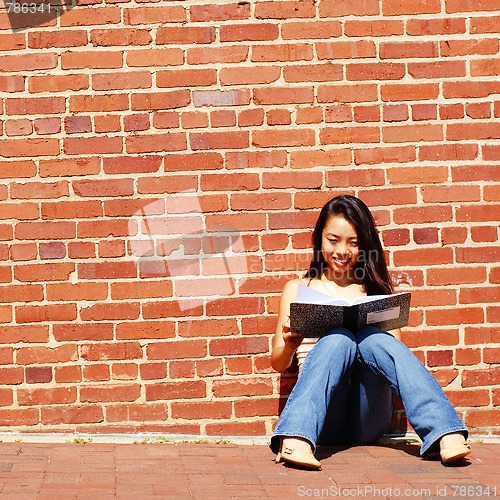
x=340 y=247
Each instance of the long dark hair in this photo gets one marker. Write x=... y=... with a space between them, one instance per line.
x=371 y=268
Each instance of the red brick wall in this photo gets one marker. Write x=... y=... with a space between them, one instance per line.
x=161 y=167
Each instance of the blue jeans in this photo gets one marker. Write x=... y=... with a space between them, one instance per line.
x=344 y=393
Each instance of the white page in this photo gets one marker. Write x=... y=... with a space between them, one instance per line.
x=370 y=298
x=307 y=295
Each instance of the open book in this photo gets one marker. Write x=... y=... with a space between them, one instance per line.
x=314 y=313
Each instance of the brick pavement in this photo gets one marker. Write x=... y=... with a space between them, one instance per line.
x=225 y=471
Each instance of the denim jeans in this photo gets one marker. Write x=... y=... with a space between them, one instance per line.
x=344 y=393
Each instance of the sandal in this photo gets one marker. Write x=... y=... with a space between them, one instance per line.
x=449 y=455
x=306 y=460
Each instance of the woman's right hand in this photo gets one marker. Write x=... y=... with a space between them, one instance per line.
x=285 y=342
x=292 y=340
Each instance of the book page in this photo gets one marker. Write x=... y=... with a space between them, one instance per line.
x=372 y=298
x=306 y=295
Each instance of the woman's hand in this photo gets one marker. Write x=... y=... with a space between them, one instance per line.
x=285 y=342
x=292 y=340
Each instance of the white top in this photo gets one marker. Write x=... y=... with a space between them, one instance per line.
x=303 y=350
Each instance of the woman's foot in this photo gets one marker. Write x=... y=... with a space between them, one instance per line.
x=453 y=447
x=297 y=451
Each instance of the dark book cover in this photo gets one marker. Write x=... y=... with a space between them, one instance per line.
x=386 y=312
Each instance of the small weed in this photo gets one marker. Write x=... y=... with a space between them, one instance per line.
x=198 y=441
x=158 y=439
x=209 y=441
x=80 y=440
x=163 y=439
x=144 y=441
